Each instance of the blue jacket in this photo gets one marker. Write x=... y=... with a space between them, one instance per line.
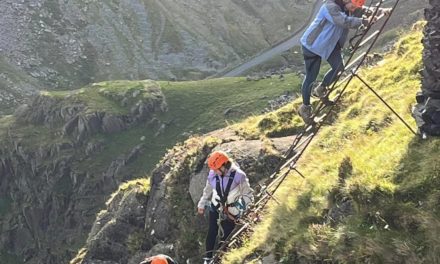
x=329 y=28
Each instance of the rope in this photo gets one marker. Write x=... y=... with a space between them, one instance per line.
x=221 y=231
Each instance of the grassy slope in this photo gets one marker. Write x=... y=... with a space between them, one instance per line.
x=198 y=107
x=194 y=107
x=391 y=175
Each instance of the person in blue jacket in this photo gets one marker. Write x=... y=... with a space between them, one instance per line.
x=324 y=39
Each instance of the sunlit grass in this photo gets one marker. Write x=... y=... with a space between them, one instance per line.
x=387 y=183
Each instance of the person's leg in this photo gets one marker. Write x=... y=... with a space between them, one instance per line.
x=228 y=226
x=337 y=64
x=212 y=233
x=312 y=63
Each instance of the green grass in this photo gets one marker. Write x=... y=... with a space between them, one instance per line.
x=29 y=135
x=194 y=107
x=140 y=186
x=393 y=181
x=107 y=96
x=200 y=106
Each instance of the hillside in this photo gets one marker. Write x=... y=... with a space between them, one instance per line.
x=370 y=193
x=64 y=153
x=48 y=44
x=404 y=16
x=371 y=188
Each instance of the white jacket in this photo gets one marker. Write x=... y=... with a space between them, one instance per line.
x=240 y=188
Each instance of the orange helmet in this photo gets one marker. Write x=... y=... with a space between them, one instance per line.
x=358 y=3
x=159 y=259
x=217 y=159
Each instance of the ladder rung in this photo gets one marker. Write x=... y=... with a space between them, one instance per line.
x=344 y=80
x=360 y=57
x=369 y=38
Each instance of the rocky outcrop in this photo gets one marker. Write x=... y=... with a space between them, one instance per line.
x=48 y=111
x=427 y=112
x=120 y=225
x=52 y=188
x=431 y=54
x=253 y=157
x=53 y=200
x=176 y=185
x=76 y=116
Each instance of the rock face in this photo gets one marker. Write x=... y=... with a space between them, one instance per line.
x=67 y=44
x=427 y=112
x=49 y=196
x=121 y=222
x=57 y=201
x=80 y=121
x=431 y=54
x=176 y=184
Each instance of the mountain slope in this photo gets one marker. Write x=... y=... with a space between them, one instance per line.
x=62 y=155
x=370 y=193
x=69 y=44
x=371 y=187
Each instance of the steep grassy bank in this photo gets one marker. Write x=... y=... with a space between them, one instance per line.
x=368 y=163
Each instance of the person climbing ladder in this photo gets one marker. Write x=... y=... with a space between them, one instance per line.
x=228 y=187
x=324 y=39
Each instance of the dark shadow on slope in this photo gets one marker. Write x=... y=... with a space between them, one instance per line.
x=418 y=175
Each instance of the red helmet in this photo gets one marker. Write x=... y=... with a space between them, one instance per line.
x=358 y=3
x=217 y=159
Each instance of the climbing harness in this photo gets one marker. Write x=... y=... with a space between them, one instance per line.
x=220 y=202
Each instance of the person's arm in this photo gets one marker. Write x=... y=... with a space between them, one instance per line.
x=246 y=190
x=207 y=191
x=339 y=18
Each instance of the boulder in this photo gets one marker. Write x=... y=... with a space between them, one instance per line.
x=112 y=124
x=250 y=155
x=21 y=111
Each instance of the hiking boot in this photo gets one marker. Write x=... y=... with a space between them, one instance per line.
x=320 y=91
x=327 y=101
x=305 y=112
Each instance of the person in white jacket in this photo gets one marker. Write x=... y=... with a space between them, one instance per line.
x=227 y=194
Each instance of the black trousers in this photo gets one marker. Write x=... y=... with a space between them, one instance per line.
x=227 y=225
